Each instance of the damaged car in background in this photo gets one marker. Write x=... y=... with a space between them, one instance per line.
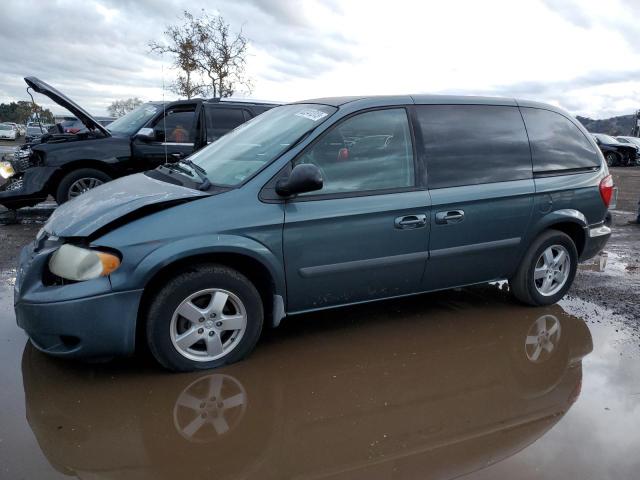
x=615 y=152
x=66 y=163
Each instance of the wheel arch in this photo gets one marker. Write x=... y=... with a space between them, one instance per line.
x=67 y=168
x=259 y=270
x=569 y=221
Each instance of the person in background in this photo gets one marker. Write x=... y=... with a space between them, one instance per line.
x=179 y=134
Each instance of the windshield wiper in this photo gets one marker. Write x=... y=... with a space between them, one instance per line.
x=201 y=172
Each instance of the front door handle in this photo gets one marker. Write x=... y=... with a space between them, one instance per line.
x=452 y=216
x=411 y=221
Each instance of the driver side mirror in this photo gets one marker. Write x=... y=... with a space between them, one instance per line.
x=145 y=134
x=304 y=177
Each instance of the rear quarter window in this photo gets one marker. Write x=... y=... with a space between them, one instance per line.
x=556 y=142
x=473 y=144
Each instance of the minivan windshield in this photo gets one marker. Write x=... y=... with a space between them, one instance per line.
x=239 y=154
x=134 y=120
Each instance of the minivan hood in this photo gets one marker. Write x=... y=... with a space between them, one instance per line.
x=64 y=101
x=107 y=203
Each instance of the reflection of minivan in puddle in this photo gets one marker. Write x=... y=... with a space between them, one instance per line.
x=325 y=404
x=304 y=208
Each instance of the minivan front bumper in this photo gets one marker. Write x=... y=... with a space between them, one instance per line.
x=83 y=319
x=93 y=327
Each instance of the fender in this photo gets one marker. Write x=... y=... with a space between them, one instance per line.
x=565 y=215
x=560 y=216
x=203 y=244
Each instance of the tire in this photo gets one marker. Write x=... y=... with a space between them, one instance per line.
x=91 y=175
x=528 y=290
x=611 y=158
x=199 y=342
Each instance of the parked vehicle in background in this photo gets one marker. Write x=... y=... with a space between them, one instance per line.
x=16 y=127
x=316 y=205
x=66 y=164
x=34 y=133
x=616 y=153
x=8 y=131
x=76 y=126
x=635 y=141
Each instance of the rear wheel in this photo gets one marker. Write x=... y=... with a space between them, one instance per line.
x=78 y=182
x=205 y=318
x=547 y=269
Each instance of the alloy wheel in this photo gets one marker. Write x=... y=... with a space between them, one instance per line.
x=208 y=324
x=83 y=185
x=552 y=270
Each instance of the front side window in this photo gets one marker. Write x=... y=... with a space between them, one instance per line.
x=556 y=143
x=176 y=125
x=367 y=152
x=473 y=144
x=241 y=153
x=135 y=119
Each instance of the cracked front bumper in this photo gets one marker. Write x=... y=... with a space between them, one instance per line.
x=26 y=188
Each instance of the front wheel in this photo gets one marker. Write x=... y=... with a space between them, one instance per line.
x=547 y=269
x=78 y=182
x=612 y=159
x=204 y=318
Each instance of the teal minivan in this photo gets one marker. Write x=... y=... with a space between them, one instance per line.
x=316 y=205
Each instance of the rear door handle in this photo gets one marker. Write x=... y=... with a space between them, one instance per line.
x=411 y=221
x=451 y=216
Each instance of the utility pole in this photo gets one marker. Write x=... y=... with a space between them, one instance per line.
x=635 y=132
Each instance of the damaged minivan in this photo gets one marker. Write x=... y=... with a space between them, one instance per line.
x=316 y=205
x=69 y=162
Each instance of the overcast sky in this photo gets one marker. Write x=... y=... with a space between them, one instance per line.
x=583 y=55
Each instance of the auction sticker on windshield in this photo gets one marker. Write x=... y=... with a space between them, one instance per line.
x=312 y=114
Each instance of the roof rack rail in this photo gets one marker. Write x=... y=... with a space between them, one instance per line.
x=243 y=100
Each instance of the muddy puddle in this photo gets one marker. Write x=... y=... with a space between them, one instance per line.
x=432 y=387
x=611 y=262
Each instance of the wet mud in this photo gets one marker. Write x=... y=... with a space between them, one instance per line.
x=435 y=386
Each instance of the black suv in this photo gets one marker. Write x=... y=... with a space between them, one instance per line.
x=65 y=164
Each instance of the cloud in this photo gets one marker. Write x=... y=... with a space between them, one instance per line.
x=581 y=54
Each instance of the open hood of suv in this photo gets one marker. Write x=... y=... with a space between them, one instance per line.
x=64 y=101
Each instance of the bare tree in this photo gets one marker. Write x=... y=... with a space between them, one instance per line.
x=181 y=44
x=211 y=58
x=120 y=107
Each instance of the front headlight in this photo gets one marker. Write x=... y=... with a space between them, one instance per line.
x=79 y=264
x=6 y=170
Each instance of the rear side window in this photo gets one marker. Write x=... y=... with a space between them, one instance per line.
x=556 y=142
x=222 y=120
x=473 y=144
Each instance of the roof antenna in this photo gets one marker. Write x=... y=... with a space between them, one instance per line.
x=164 y=116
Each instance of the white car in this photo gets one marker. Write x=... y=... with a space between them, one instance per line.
x=8 y=131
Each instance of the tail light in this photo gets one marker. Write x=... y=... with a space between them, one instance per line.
x=606 y=189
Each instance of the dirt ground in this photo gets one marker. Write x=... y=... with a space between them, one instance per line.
x=457 y=383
